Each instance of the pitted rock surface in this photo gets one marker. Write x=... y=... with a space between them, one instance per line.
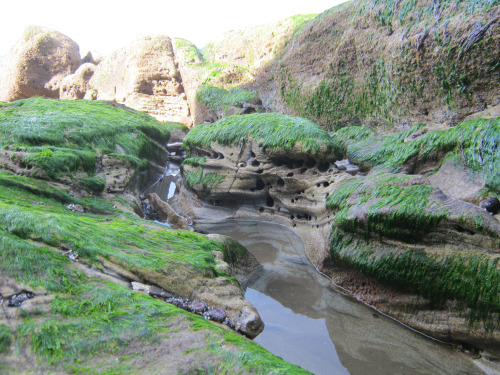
x=144 y=76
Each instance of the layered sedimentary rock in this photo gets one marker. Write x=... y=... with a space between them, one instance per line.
x=37 y=64
x=144 y=76
x=387 y=237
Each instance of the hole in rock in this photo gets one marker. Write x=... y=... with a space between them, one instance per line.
x=270 y=201
x=252 y=153
x=303 y=170
x=292 y=217
x=281 y=182
x=310 y=163
x=261 y=209
x=247 y=111
x=326 y=184
x=259 y=171
x=290 y=174
x=298 y=164
x=460 y=229
x=293 y=200
x=260 y=184
x=323 y=167
x=255 y=163
x=318 y=185
x=299 y=217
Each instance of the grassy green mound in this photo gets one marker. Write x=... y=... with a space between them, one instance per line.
x=217 y=98
x=393 y=210
x=95 y=326
x=472 y=143
x=61 y=137
x=271 y=130
x=373 y=211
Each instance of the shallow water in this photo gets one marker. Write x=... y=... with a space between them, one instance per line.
x=311 y=324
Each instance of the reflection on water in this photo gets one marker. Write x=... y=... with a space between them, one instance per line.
x=310 y=324
x=299 y=331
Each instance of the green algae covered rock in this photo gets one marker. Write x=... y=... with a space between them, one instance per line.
x=83 y=319
x=471 y=144
x=272 y=131
x=78 y=140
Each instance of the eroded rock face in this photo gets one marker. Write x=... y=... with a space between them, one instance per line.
x=214 y=291
x=370 y=220
x=76 y=85
x=144 y=76
x=37 y=64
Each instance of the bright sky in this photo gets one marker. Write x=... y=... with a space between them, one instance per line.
x=107 y=25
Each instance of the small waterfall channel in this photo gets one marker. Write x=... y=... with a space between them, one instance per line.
x=312 y=323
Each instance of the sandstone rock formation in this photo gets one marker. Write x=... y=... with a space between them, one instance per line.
x=37 y=64
x=75 y=86
x=385 y=230
x=391 y=64
x=144 y=76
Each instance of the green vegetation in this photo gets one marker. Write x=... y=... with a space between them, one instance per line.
x=93 y=184
x=188 y=51
x=372 y=211
x=197 y=179
x=473 y=142
x=365 y=85
x=271 y=130
x=207 y=180
x=92 y=320
x=473 y=281
x=218 y=99
x=60 y=138
x=5 y=338
x=387 y=207
x=393 y=209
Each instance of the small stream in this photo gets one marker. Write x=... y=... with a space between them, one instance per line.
x=309 y=322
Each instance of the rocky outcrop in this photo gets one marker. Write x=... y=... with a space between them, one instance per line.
x=262 y=173
x=144 y=76
x=75 y=85
x=37 y=64
x=391 y=64
x=394 y=232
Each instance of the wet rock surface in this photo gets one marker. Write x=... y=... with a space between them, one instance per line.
x=17 y=299
x=293 y=189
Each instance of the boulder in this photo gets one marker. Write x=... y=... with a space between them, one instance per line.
x=37 y=64
x=76 y=85
x=144 y=76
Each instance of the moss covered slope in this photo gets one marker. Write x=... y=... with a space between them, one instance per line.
x=472 y=143
x=60 y=138
x=81 y=319
x=270 y=130
x=91 y=319
x=393 y=63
